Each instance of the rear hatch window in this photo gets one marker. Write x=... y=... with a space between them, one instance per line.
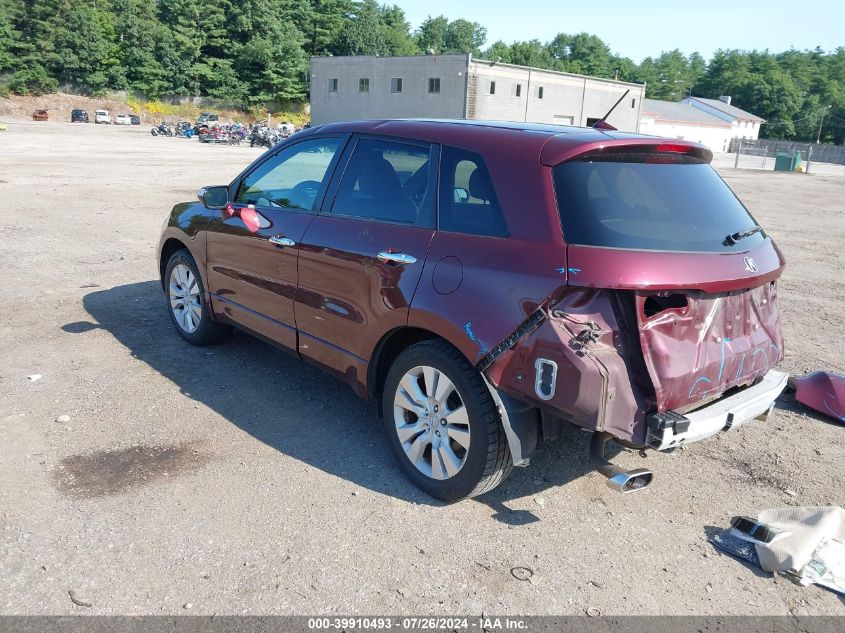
x=650 y=198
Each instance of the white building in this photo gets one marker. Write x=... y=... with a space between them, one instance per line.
x=743 y=124
x=683 y=121
x=461 y=87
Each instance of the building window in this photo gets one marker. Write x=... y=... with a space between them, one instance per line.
x=364 y=84
x=434 y=85
x=396 y=85
x=492 y=87
x=633 y=103
x=518 y=90
x=332 y=85
x=540 y=92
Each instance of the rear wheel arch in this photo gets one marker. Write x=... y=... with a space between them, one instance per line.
x=386 y=351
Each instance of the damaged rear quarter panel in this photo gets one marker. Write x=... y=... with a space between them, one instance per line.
x=601 y=381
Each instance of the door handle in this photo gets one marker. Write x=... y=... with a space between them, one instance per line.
x=280 y=240
x=396 y=258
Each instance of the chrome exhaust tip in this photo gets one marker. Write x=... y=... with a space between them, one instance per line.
x=618 y=479
x=630 y=480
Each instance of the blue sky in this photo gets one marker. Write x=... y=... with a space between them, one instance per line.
x=642 y=28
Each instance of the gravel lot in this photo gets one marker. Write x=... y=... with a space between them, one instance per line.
x=236 y=479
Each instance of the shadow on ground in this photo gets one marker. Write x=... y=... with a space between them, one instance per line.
x=296 y=408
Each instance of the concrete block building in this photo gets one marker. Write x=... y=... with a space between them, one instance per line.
x=460 y=87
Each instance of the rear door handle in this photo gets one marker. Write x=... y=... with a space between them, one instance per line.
x=280 y=240
x=396 y=258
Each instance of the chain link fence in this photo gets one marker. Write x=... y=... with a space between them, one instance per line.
x=811 y=158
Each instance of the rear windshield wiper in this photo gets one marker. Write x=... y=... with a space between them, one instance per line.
x=733 y=238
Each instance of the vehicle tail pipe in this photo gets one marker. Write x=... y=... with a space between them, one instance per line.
x=618 y=479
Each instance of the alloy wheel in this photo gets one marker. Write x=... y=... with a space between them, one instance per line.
x=184 y=293
x=431 y=422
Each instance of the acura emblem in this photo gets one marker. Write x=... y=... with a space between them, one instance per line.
x=750 y=265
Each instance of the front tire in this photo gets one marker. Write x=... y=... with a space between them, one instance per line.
x=186 y=302
x=442 y=423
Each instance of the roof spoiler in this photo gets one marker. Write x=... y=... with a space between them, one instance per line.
x=602 y=123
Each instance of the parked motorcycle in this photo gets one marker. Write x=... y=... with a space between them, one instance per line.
x=263 y=137
x=162 y=129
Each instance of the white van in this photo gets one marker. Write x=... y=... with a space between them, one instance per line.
x=102 y=116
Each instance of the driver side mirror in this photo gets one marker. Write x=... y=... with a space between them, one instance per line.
x=214 y=197
x=461 y=195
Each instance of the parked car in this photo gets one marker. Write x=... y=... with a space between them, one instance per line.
x=207 y=118
x=134 y=119
x=122 y=119
x=487 y=283
x=102 y=116
x=78 y=116
x=40 y=115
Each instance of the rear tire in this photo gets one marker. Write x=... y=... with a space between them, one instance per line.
x=447 y=436
x=187 y=304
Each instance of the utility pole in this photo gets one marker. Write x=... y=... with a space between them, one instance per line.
x=821 y=122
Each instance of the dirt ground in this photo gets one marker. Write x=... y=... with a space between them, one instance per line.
x=236 y=479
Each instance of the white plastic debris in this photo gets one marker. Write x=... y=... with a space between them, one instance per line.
x=33 y=377
x=826 y=566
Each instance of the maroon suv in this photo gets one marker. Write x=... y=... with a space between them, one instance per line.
x=488 y=282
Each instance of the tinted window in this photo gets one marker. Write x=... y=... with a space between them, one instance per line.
x=386 y=180
x=468 y=202
x=292 y=178
x=649 y=205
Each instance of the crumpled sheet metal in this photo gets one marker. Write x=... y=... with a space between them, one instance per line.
x=823 y=391
x=597 y=380
x=713 y=344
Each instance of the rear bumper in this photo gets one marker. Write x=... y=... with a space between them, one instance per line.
x=670 y=429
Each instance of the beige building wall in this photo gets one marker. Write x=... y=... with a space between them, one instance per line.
x=348 y=103
x=566 y=99
x=521 y=94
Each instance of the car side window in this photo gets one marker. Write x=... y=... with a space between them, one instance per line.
x=468 y=202
x=386 y=180
x=292 y=178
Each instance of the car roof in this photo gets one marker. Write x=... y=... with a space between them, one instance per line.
x=555 y=142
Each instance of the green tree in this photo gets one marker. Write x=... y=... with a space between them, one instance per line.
x=321 y=22
x=581 y=53
x=532 y=53
x=139 y=37
x=463 y=36
x=431 y=35
x=670 y=76
x=362 y=32
x=9 y=36
x=396 y=31
x=183 y=18
x=275 y=64
x=32 y=80
x=86 y=52
x=498 y=52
